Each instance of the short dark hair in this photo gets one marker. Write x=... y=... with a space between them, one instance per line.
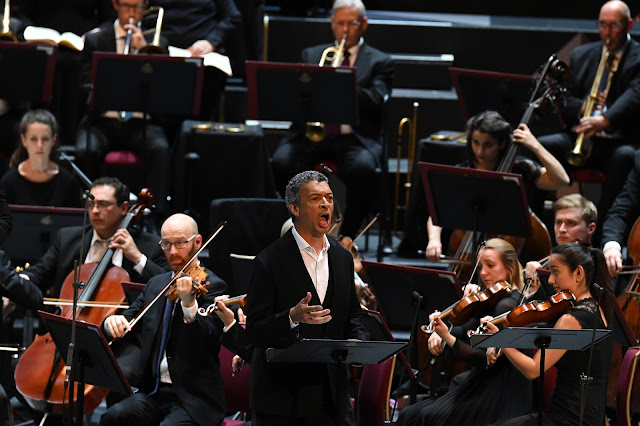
x=292 y=192
x=489 y=122
x=122 y=191
x=35 y=116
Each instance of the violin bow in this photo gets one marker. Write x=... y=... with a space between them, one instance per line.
x=365 y=229
x=177 y=275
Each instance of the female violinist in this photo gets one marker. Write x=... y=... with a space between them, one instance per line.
x=485 y=395
x=575 y=268
x=34 y=177
x=488 y=136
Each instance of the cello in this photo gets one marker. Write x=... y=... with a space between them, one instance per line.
x=629 y=302
x=40 y=372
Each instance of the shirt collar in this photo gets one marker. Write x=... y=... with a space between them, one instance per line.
x=303 y=245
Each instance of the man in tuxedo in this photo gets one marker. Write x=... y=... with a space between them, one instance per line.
x=612 y=128
x=181 y=382
x=357 y=149
x=302 y=288
x=137 y=252
x=104 y=131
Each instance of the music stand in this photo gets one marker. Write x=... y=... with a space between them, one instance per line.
x=301 y=93
x=542 y=339
x=95 y=363
x=26 y=71
x=476 y=200
x=394 y=285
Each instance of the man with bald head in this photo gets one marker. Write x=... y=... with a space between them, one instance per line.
x=612 y=128
x=178 y=361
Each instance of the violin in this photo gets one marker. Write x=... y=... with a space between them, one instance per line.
x=237 y=300
x=365 y=295
x=197 y=275
x=535 y=312
x=473 y=303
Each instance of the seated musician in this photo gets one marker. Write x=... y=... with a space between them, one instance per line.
x=104 y=131
x=481 y=396
x=135 y=251
x=619 y=221
x=488 y=136
x=612 y=128
x=575 y=221
x=181 y=382
x=34 y=177
x=576 y=268
x=356 y=150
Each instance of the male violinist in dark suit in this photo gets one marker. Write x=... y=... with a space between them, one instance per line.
x=302 y=288
x=137 y=252
x=613 y=126
x=181 y=382
x=104 y=131
x=356 y=150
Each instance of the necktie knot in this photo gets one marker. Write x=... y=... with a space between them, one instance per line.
x=345 y=61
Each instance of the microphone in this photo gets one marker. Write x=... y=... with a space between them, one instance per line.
x=586 y=378
x=417 y=296
x=89 y=195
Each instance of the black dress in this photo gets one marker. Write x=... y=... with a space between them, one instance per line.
x=564 y=406
x=484 y=396
x=63 y=190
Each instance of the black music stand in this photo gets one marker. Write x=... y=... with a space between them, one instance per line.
x=476 y=200
x=26 y=72
x=543 y=339
x=95 y=363
x=301 y=93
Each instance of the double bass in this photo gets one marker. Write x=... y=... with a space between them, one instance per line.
x=549 y=88
x=40 y=372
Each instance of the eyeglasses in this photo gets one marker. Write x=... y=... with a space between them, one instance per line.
x=340 y=23
x=615 y=26
x=166 y=245
x=101 y=205
x=126 y=7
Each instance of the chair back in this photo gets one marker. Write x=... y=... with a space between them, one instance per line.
x=236 y=388
x=625 y=384
x=374 y=393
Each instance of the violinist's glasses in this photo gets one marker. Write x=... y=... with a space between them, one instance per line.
x=166 y=245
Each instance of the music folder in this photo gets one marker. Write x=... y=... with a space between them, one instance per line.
x=100 y=366
x=26 y=72
x=301 y=93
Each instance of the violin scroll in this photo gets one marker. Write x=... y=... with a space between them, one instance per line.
x=238 y=300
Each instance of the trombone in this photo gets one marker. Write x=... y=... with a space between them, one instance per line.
x=154 y=46
x=411 y=126
x=582 y=150
x=315 y=130
x=6 y=34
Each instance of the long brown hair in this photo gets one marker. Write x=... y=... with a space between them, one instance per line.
x=35 y=116
x=509 y=259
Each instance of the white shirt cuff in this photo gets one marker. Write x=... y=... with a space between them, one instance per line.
x=291 y=323
x=190 y=313
x=140 y=266
x=227 y=327
x=611 y=244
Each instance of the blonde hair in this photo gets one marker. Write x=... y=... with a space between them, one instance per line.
x=509 y=259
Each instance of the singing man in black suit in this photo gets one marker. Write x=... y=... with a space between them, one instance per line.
x=104 y=131
x=613 y=126
x=302 y=288
x=356 y=150
x=181 y=382
x=135 y=251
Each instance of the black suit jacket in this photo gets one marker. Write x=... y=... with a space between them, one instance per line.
x=623 y=102
x=280 y=281
x=51 y=270
x=374 y=73
x=192 y=350
x=625 y=209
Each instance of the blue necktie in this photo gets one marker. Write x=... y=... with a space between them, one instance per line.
x=166 y=322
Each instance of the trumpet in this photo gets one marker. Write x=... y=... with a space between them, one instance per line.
x=154 y=46
x=582 y=149
x=6 y=34
x=315 y=130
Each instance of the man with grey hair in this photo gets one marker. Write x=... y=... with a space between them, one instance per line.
x=302 y=288
x=355 y=150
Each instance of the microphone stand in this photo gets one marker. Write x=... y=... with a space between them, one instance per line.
x=70 y=371
x=414 y=381
x=586 y=378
